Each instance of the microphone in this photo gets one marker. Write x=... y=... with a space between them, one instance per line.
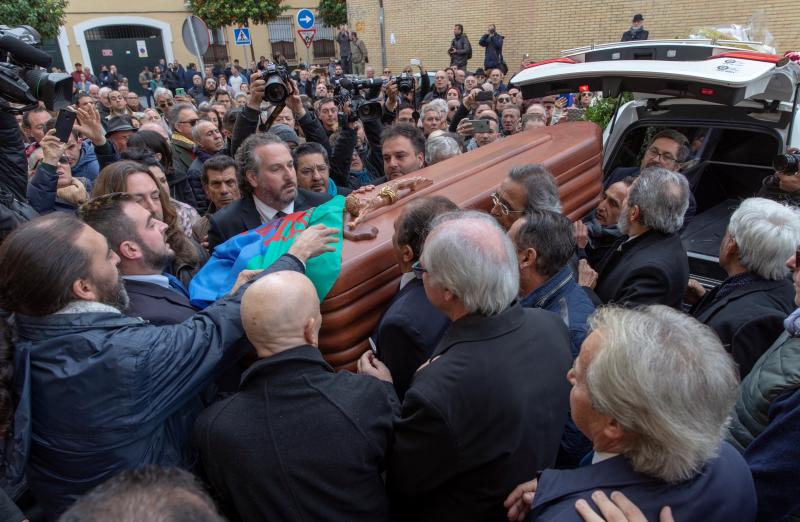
x=24 y=52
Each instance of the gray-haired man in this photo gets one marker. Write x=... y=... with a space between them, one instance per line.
x=490 y=404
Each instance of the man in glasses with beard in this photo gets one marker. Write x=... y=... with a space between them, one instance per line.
x=101 y=392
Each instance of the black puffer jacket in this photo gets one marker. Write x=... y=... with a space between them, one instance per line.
x=13 y=177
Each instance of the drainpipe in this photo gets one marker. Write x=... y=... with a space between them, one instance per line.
x=383 y=33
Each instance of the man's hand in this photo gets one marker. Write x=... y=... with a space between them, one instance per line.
x=519 y=502
x=391 y=96
x=616 y=509
x=90 y=125
x=294 y=102
x=694 y=292
x=464 y=129
x=581 y=233
x=243 y=277
x=370 y=365
x=257 y=88
x=314 y=241
x=52 y=148
x=470 y=102
x=586 y=275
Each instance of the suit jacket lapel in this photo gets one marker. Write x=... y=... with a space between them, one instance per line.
x=250 y=216
x=703 y=315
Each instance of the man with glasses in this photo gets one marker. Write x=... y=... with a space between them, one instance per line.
x=668 y=149
x=164 y=101
x=525 y=189
x=182 y=118
x=503 y=101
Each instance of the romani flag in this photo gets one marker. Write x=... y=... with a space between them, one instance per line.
x=258 y=248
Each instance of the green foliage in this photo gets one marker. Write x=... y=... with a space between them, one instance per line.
x=333 y=13
x=219 y=13
x=602 y=109
x=46 y=16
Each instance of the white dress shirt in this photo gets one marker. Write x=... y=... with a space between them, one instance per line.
x=267 y=213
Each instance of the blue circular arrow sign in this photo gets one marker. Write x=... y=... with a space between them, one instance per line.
x=305 y=18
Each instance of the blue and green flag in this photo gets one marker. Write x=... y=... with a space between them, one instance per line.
x=260 y=247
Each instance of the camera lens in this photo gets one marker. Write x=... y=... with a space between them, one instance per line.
x=276 y=91
x=369 y=111
x=786 y=163
x=54 y=89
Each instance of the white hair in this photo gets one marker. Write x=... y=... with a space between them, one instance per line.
x=162 y=91
x=668 y=382
x=439 y=148
x=766 y=234
x=470 y=255
x=438 y=105
x=662 y=196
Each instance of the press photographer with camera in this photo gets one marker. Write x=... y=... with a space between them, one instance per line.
x=784 y=185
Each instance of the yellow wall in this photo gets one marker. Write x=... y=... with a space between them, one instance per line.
x=173 y=13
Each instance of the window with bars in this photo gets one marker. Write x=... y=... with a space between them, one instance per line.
x=281 y=38
x=114 y=32
x=324 y=45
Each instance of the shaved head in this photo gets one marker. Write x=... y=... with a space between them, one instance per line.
x=281 y=311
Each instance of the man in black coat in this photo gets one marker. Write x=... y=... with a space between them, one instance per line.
x=747 y=310
x=139 y=239
x=269 y=189
x=648 y=265
x=411 y=327
x=637 y=30
x=490 y=405
x=306 y=442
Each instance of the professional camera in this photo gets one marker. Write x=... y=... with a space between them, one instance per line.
x=786 y=163
x=406 y=83
x=22 y=82
x=365 y=108
x=277 y=83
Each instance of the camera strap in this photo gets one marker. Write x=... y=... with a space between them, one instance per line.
x=265 y=125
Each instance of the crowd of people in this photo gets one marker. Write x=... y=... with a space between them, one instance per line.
x=528 y=367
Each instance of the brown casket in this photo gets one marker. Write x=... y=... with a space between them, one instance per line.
x=369 y=278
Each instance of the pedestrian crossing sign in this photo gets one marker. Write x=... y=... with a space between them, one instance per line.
x=241 y=36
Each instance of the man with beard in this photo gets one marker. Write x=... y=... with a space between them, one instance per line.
x=111 y=392
x=648 y=265
x=269 y=189
x=140 y=241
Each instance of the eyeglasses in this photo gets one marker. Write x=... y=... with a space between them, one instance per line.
x=418 y=269
x=498 y=203
x=658 y=154
x=504 y=99
x=166 y=104
x=191 y=122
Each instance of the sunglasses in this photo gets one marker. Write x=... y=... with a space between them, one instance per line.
x=504 y=99
x=418 y=269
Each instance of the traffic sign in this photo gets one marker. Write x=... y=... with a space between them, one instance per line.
x=305 y=18
x=307 y=35
x=195 y=35
x=241 y=36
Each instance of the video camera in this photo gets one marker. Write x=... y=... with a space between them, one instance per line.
x=786 y=163
x=24 y=79
x=277 y=79
x=405 y=82
x=349 y=89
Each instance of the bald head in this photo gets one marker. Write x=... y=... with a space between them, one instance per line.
x=281 y=311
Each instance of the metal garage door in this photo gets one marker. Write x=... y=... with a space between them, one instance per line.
x=129 y=47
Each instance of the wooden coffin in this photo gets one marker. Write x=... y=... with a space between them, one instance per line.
x=572 y=152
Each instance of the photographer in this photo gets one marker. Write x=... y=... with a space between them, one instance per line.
x=784 y=185
x=248 y=119
x=493 y=42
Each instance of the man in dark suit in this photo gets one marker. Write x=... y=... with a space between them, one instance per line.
x=139 y=239
x=668 y=149
x=652 y=388
x=308 y=443
x=648 y=265
x=747 y=310
x=269 y=189
x=411 y=327
x=490 y=404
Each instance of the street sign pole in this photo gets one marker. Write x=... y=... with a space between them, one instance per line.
x=196 y=46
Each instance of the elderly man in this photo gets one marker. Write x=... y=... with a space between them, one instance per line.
x=431 y=118
x=411 y=326
x=209 y=142
x=221 y=187
x=269 y=189
x=440 y=148
x=747 y=310
x=649 y=264
x=455 y=456
x=112 y=392
x=338 y=474
x=182 y=119
x=652 y=389
x=139 y=239
x=510 y=118
x=526 y=188
x=765 y=423
x=164 y=101
x=596 y=235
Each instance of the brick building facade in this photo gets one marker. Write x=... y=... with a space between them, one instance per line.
x=416 y=29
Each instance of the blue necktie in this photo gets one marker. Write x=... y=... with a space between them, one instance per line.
x=176 y=285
